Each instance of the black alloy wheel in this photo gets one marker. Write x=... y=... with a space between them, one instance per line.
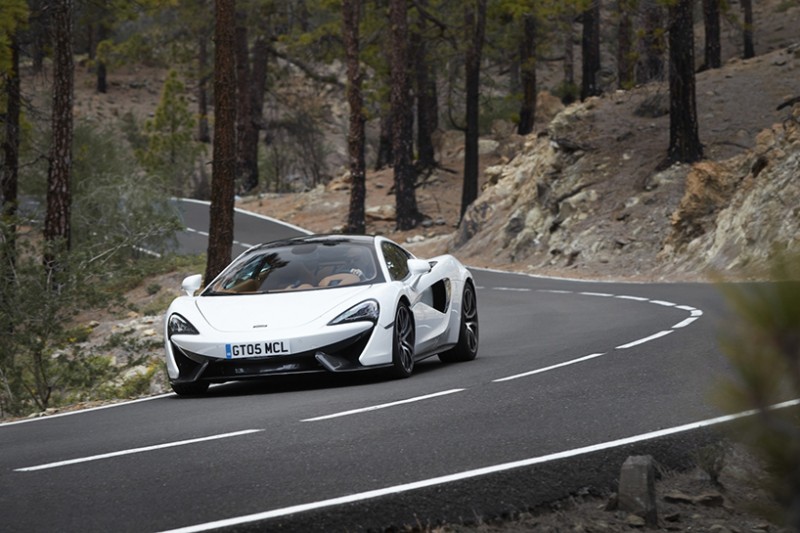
x=403 y=342
x=467 y=347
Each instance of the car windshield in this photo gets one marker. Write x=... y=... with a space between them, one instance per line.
x=299 y=266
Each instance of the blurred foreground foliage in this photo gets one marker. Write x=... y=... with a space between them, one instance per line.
x=762 y=342
x=122 y=223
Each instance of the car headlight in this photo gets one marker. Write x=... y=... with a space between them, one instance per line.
x=368 y=311
x=178 y=325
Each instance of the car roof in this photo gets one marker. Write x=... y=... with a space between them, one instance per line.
x=320 y=239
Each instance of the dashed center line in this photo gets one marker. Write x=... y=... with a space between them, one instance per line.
x=382 y=406
x=695 y=314
x=135 y=450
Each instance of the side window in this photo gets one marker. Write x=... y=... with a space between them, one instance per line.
x=396 y=261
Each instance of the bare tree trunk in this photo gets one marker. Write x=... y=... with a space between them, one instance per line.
x=57 y=219
x=203 y=132
x=651 y=66
x=244 y=118
x=220 y=238
x=527 y=113
x=476 y=26
x=426 y=96
x=351 y=14
x=102 y=71
x=590 y=46
x=385 y=153
x=684 y=140
x=625 y=63
x=405 y=196
x=9 y=184
x=258 y=85
x=713 y=49
x=749 y=47
x=569 y=52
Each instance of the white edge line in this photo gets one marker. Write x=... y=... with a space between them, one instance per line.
x=685 y=307
x=554 y=291
x=136 y=450
x=81 y=411
x=397 y=489
x=382 y=406
x=511 y=289
x=545 y=369
x=697 y=312
x=646 y=339
x=602 y=294
x=250 y=213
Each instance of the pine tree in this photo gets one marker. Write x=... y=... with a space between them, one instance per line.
x=171 y=152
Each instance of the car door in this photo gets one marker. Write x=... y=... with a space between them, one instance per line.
x=429 y=295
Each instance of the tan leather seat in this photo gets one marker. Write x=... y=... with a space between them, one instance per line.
x=338 y=280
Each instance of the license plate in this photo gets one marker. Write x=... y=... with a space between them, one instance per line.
x=257 y=349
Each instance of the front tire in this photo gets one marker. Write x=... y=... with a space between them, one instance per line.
x=467 y=347
x=403 y=340
x=193 y=388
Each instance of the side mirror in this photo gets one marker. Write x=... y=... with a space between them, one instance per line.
x=191 y=284
x=417 y=267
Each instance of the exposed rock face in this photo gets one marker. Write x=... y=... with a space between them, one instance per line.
x=744 y=211
x=557 y=204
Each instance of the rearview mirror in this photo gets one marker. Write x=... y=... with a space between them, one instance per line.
x=191 y=284
x=418 y=267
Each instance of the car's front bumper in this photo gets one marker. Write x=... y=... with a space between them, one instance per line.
x=192 y=360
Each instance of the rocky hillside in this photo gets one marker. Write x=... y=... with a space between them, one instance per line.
x=584 y=195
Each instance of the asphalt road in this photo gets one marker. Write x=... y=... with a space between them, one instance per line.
x=571 y=378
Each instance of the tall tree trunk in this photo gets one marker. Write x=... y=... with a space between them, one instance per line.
x=569 y=52
x=625 y=63
x=749 y=47
x=713 y=49
x=102 y=71
x=9 y=180
x=684 y=140
x=385 y=153
x=590 y=47
x=203 y=132
x=244 y=118
x=258 y=85
x=57 y=219
x=220 y=238
x=405 y=196
x=527 y=113
x=476 y=26
x=426 y=96
x=351 y=14
x=651 y=66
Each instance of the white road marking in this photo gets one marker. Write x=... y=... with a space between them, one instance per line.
x=382 y=406
x=136 y=450
x=89 y=410
x=646 y=339
x=685 y=323
x=554 y=291
x=662 y=302
x=468 y=474
x=634 y=298
x=601 y=294
x=685 y=307
x=511 y=289
x=545 y=369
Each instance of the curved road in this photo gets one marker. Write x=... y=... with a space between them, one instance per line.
x=571 y=378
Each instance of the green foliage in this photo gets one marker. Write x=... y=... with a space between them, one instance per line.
x=115 y=206
x=171 y=152
x=13 y=16
x=763 y=345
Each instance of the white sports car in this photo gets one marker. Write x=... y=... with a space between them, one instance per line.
x=322 y=303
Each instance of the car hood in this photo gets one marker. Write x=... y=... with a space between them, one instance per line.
x=281 y=310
